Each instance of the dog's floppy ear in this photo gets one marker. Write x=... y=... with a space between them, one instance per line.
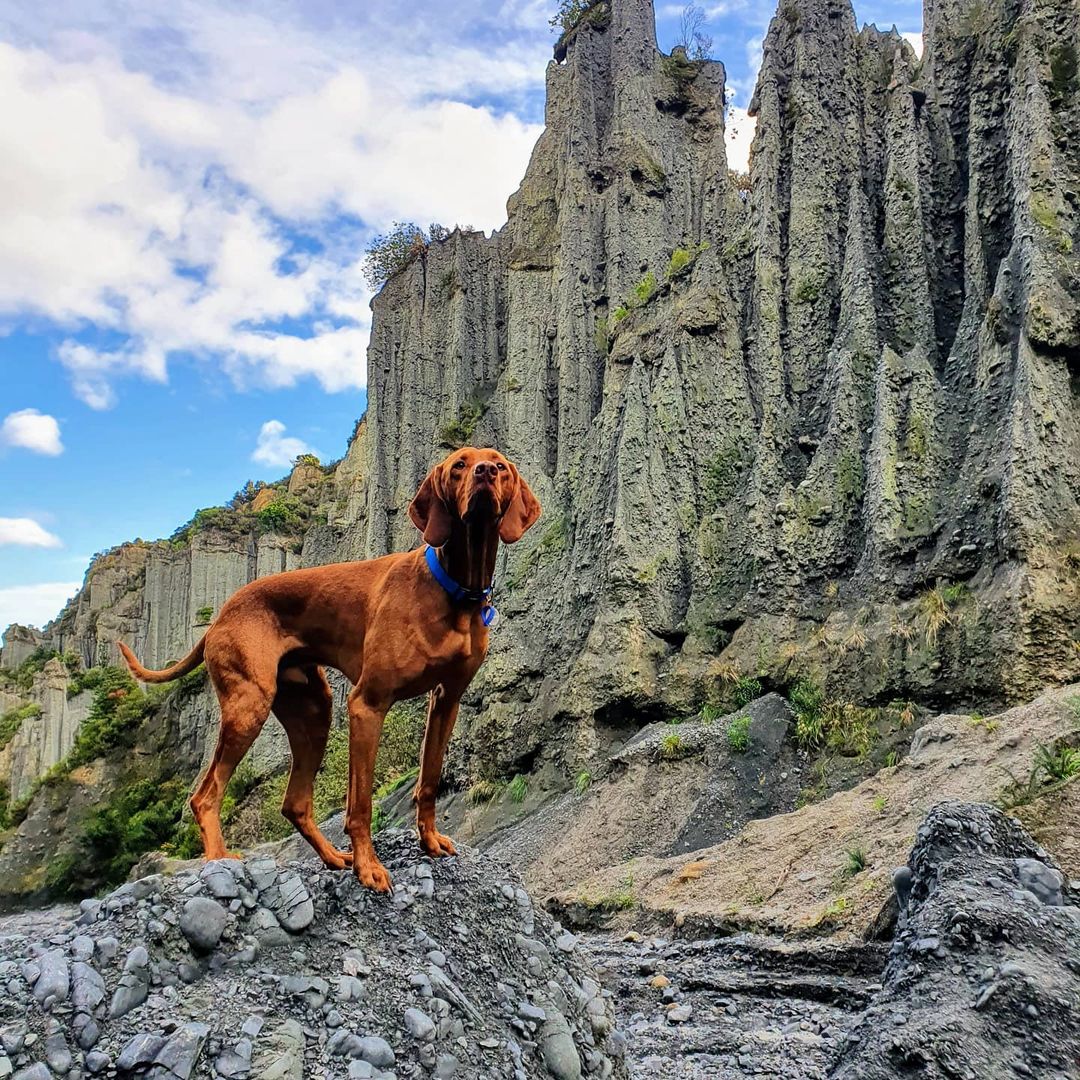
x=429 y=511
x=521 y=514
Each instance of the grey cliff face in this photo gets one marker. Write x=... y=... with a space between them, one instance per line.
x=760 y=429
x=863 y=384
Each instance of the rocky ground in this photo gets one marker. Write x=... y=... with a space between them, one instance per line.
x=736 y=1007
x=280 y=971
x=982 y=979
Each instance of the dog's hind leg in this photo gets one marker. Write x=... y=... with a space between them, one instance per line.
x=304 y=710
x=244 y=709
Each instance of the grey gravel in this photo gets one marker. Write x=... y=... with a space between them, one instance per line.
x=347 y=983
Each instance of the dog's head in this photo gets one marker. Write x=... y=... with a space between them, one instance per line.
x=474 y=486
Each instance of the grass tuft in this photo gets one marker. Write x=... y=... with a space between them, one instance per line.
x=855 y=861
x=738 y=734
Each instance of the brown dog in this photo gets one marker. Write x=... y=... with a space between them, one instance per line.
x=389 y=626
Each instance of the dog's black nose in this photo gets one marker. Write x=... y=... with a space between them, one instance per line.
x=485 y=470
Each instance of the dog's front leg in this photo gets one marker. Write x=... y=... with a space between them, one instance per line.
x=442 y=713
x=366 y=715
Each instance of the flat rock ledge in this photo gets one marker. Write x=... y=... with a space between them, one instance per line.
x=285 y=970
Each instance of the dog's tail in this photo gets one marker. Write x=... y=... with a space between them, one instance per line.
x=174 y=671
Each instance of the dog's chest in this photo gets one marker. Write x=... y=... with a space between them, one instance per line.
x=462 y=648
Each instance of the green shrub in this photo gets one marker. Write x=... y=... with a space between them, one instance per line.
x=583 y=781
x=379 y=817
x=285 y=515
x=143 y=816
x=645 y=289
x=307 y=459
x=118 y=708
x=621 y=898
x=397 y=757
x=137 y=819
x=13 y=719
x=483 y=792
x=711 y=712
x=204 y=615
x=22 y=677
x=807 y=700
x=1060 y=763
x=745 y=690
x=738 y=734
x=518 y=789
x=90 y=679
x=681 y=258
x=620 y=313
x=671 y=747
x=938 y=609
x=680 y=68
x=459 y=432
x=569 y=14
x=679 y=261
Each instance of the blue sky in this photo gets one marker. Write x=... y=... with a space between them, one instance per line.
x=186 y=190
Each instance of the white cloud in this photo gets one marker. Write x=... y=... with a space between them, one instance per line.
x=739 y=128
x=34 y=605
x=199 y=215
x=32 y=430
x=276 y=449
x=26 y=532
x=915 y=40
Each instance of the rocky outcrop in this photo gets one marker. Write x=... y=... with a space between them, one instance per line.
x=273 y=968
x=831 y=429
x=840 y=395
x=983 y=971
x=261 y=969
x=981 y=979
x=19 y=643
x=45 y=738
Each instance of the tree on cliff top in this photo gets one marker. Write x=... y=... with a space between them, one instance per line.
x=393 y=251
x=692 y=36
x=569 y=14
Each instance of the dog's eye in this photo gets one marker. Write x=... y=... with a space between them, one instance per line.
x=458 y=465
x=501 y=467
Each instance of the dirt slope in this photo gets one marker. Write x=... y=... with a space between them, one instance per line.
x=790 y=873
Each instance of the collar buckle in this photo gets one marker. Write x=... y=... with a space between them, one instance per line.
x=458 y=593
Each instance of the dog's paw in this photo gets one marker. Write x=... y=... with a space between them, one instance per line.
x=373 y=875
x=436 y=845
x=337 y=860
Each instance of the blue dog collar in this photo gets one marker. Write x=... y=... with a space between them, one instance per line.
x=458 y=593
